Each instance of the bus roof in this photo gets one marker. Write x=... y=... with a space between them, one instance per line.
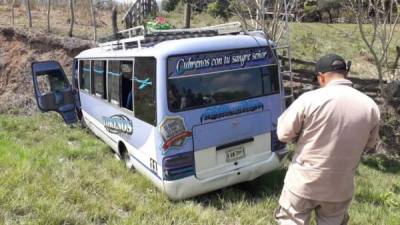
x=181 y=46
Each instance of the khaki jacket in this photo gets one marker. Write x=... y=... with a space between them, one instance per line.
x=332 y=126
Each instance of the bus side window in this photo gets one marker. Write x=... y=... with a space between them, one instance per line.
x=75 y=72
x=114 y=82
x=145 y=89
x=43 y=84
x=99 y=78
x=53 y=81
x=126 y=70
x=84 y=80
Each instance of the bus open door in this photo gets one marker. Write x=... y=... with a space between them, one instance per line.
x=53 y=91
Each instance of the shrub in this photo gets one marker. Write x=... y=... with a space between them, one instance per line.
x=169 y=5
x=220 y=9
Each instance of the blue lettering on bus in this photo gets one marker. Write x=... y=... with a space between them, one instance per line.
x=213 y=62
x=222 y=111
x=118 y=124
x=186 y=65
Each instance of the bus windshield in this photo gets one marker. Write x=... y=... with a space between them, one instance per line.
x=203 y=90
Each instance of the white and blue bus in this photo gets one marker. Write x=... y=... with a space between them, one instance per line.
x=193 y=114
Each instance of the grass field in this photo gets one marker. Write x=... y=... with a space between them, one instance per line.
x=310 y=41
x=53 y=174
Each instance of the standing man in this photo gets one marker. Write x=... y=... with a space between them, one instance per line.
x=332 y=126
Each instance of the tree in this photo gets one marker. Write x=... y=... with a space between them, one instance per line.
x=13 y=13
x=48 y=15
x=219 y=8
x=92 y=9
x=253 y=15
x=328 y=6
x=298 y=10
x=377 y=21
x=314 y=9
x=169 y=5
x=311 y=10
x=377 y=32
x=72 y=17
x=114 y=21
x=28 y=9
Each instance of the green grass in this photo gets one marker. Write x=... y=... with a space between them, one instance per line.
x=53 y=174
x=310 y=41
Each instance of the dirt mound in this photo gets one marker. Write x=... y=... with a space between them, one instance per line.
x=18 y=49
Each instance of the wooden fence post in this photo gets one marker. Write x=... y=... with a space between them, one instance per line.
x=114 y=21
x=72 y=19
x=92 y=8
x=13 y=13
x=28 y=8
x=396 y=61
x=188 y=12
x=48 y=15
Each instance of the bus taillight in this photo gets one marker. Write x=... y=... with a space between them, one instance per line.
x=178 y=166
x=275 y=143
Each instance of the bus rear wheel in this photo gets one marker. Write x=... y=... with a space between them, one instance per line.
x=125 y=157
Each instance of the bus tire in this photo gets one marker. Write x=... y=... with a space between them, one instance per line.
x=83 y=123
x=125 y=157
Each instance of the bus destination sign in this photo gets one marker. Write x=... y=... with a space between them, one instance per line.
x=186 y=65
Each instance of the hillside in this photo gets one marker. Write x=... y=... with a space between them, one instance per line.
x=18 y=50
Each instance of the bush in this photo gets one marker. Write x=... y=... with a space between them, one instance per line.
x=169 y=5
x=220 y=9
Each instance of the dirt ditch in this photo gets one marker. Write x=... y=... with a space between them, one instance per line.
x=18 y=49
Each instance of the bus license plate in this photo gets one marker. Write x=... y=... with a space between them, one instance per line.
x=235 y=154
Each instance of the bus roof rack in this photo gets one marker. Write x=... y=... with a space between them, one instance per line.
x=139 y=36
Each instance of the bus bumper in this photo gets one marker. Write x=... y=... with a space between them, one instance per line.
x=192 y=186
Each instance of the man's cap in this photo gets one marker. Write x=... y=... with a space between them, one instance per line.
x=330 y=63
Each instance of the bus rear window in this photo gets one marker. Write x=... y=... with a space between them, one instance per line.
x=203 y=90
